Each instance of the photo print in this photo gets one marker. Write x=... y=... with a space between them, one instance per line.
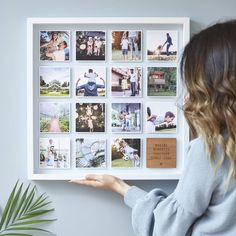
x=126 y=153
x=54 y=117
x=162 y=45
x=90 y=81
x=90 y=153
x=54 y=45
x=161 y=117
x=126 y=81
x=54 y=153
x=90 y=117
x=54 y=81
x=161 y=81
x=126 y=117
x=90 y=45
x=126 y=46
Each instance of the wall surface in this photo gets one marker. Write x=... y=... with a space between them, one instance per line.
x=81 y=211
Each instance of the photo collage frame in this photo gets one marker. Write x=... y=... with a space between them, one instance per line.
x=104 y=98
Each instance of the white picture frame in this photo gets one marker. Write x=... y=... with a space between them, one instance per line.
x=181 y=25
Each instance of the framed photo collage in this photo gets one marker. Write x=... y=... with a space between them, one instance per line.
x=104 y=97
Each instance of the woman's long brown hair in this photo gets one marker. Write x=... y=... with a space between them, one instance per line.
x=208 y=69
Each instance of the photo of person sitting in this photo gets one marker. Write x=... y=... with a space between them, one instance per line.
x=90 y=84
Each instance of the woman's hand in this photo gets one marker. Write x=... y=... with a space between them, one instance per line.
x=107 y=182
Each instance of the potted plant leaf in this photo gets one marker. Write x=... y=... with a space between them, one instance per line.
x=24 y=212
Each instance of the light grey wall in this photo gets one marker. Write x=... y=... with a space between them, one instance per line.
x=80 y=211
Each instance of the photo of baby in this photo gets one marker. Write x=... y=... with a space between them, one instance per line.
x=54 y=45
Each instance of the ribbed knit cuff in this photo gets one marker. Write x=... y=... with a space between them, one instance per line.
x=132 y=195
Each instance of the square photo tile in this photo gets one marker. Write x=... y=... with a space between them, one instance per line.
x=126 y=153
x=90 y=117
x=161 y=117
x=54 y=81
x=54 y=153
x=90 y=45
x=126 y=81
x=90 y=81
x=90 y=153
x=127 y=46
x=162 y=45
x=161 y=81
x=54 y=117
x=126 y=117
x=54 y=45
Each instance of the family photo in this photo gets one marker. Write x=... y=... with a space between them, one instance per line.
x=161 y=81
x=126 y=117
x=126 y=153
x=90 y=117
x=162 y=45
x=54 y=45
x=161 y=117
x=126 y=81
x=54 y=153
x=90 y=45
x=90 y=81
x=126 y=45
x=90 y=153
x=54 y=81
x=54 y=117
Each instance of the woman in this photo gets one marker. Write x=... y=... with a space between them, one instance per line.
x=204 y=201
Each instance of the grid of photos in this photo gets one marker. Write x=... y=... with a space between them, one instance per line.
x=98 y=108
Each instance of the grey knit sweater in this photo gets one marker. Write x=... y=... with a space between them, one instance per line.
x=200 y=204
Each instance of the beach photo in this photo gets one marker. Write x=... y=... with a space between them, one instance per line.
x=54 y=153
x=90 y=45
x=90 y=153
x=162 y=45
x=161 y=117
x=54 y=117
x=126 y=117
x=161 y=81
x=54 y=45
x=90 y=81
x=54 y=81
x=90 y=117
x=126 y=153
x=127 y=46
x=126 y=81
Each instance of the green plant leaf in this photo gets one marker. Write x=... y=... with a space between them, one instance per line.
x=13 y=205
x=20 y=212
x=6 y=209
x=21 y=203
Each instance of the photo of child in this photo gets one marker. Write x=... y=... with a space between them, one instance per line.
x=161 y=117
x=91 y=81
x=90 y=117
x=90 y=153
x=54 y=45
x=126 y=81
x=126 y=153
x=54 y=153
x=90 y=45
x=126 y=117
x=126 y=46
x=162 y=45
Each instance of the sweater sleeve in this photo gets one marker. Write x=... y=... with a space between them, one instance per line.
x=155 y=213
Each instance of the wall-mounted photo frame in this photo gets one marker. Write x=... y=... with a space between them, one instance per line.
x=102 y=97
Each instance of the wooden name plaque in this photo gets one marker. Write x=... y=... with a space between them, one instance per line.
x=161 y=152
